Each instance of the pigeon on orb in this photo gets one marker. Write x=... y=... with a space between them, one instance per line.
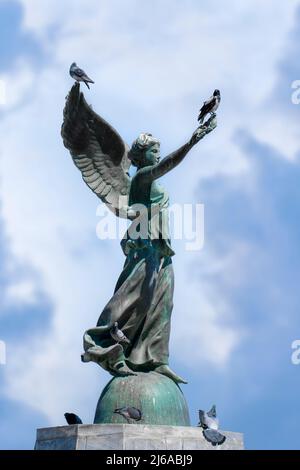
x=118 y=334
x=71 y=418
x=129 y=412
x=210 y=424
x=79 y=75
x=210 y=106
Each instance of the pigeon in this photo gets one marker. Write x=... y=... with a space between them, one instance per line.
x=71 y=418
x=118 y=334
x=79 y=75
x=210 y=424
x=210 y=106
x=129 y=412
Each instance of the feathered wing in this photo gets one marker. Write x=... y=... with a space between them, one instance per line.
x=207 y=105
x=202 y=418
x=214 y=437
x=212 y=413
x=98 y=151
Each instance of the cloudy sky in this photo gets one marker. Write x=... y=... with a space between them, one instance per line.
x=237 y=301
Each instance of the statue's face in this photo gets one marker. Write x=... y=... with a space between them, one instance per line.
x=152 y=155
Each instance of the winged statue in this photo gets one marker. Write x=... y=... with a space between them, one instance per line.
x=143 y=298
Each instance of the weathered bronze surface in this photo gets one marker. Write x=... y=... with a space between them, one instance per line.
x=143 y=298
x=159 y=398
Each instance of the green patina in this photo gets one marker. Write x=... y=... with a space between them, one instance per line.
x=160 y=399
x=143 y=298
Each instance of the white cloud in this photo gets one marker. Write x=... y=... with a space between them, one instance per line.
x=18 y=83
x=152 y=68
x=22 y=292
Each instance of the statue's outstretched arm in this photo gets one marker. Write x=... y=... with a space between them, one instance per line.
x=172 y=160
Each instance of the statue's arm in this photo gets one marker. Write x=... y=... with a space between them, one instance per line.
x=168 y=163
x=171 y=161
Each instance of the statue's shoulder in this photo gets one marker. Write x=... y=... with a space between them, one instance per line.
x=140 y=178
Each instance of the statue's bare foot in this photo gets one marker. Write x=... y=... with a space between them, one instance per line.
x=121 y=369
x=165 y=370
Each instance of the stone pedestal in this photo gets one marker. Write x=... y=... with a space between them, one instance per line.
x=130 y=437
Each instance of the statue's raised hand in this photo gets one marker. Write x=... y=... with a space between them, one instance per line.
x=204 y=129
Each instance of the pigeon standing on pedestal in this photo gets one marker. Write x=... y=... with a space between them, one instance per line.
x=210 y=424
x=79 y=75
x=118 y=334
x=210 y=106
x=129 y=412
x=71 y=418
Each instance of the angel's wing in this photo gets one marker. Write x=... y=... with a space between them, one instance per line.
x=97 y=150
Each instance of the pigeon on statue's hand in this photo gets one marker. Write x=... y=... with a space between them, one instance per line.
x=210 y=106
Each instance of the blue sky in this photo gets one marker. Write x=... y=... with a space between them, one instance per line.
x=237 y=299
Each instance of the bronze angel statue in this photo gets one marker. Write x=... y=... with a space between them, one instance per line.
x=143 y=298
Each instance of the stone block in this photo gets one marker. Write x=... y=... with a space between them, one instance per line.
x=130 y=437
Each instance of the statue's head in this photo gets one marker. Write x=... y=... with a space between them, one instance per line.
x=145 y=151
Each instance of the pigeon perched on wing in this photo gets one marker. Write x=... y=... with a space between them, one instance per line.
x=210 y=106
x=71 y=418
x=118 y=334
x=210 y=424
x=129 y=412
x=79 y=75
